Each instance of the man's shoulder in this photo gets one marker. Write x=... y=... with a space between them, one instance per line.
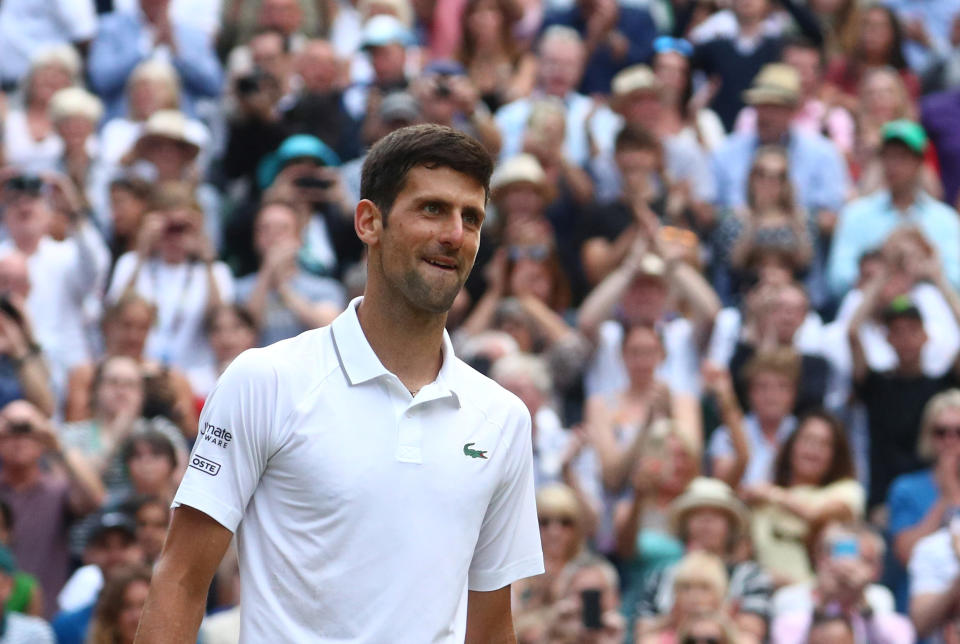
x=865 y=205
x=300 y=359
x=485 y=394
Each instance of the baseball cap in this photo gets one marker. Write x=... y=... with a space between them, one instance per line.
x=112 y=522
x=399 y=106
x=298 y=146
x=775 y=84
x=907 y=132
x=383 y=29
x=901 y=307
x=669 y=43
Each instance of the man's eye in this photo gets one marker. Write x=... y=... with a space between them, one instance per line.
x=432 y=208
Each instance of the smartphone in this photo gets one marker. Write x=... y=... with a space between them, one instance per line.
x=591 y=609
x=845 y=547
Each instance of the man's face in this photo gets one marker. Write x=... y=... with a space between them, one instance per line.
x=27 y=217
x=429 y=241
x=20 y=444
x=907 y=337
x=901 y=166
x=317 y=66
x=750 y=10
x=642 y=107
x=561 y=66
x=773 y=122
x=807 y=63
x=282 y=15
x=771 y=395
x=115 y=549
x=266 y=49
x=276 y=225
x=388 y=62
x=636 y=166
x=645 y=300
x=788 y=314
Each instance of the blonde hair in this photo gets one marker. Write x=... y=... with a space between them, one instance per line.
x=64 y=56
x=949 y=399
x=161 y=72
x=75 y=101
x=557 y=499
x=701 y=567
x=523 y=365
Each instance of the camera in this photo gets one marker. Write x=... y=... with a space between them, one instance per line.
x=251 y=83
x=20 y=428
x=443 y=88
x=312 y=182
x=26 y=183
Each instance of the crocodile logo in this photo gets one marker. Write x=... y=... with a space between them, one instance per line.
x=474 y=453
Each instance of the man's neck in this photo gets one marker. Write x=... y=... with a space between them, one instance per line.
x=749 y=28
x=909 y=369
x=769 y=426
x=903 y=198
x=408 y=342
x=20 y=477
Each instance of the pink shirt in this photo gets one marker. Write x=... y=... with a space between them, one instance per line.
x=814 y=116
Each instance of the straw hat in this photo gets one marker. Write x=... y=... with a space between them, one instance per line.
x=776 y=84
x=633 y=79
x=171 y=125
x=704 y=492
x=523 y=168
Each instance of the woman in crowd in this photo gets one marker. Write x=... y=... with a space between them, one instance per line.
x=700 y=588
x=130 y=199
x=118 y=610
x=879 y=44
x=29 y=139
x=75 y=114
x=175 y=267
x=563 y=539
x=840 y=20
x=771 y=219
x=813 y=481
x=920 y=501
x=231 y=330
x=685 y=113
x=126 y=325
x=499 y=69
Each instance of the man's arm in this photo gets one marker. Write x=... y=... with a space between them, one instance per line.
x=489 y=619
x=193 y=549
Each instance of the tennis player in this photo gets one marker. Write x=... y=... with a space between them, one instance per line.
x=380 y=490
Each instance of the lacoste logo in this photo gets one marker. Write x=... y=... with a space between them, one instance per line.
x=474 y=453
x=219 y=436
x=205 y=465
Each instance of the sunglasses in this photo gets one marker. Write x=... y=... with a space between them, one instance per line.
x=767 y=173
x=536 y=252
x=669 y=43
x=941 y=431
x=566 y=522
x=690 y=639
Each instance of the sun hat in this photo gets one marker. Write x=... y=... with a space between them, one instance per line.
x=522 y=168
x=634 y=79
x=171 y=125
x=907 y=132
x=704 y=492
x=776 y=84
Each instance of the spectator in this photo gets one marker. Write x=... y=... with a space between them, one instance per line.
x=130 y=199
x=771 y=379
x=44 y=499
x=496 y=65
x=709 y=627
x=70 y=270
x=16 y=626
x=386 y=40
x=816 y=167
x=283 y=298
x=938 y=114
x=29 y=139
x=126 y=327
x=848 y=561
x=175 y=267
x=879 y=44
x=840 y=22
x=26 y=595
x=735 y=45
x=920 y=501
x=565 y=619
x=118 y=610
x=700 y=586
x=685 y=112
x=152 y=516
x=895 y=398
x=231 y=330
x=75 y=114
x=562 y=54
x=710 y=518
x=813 y=481
x=125 y=39
x=866 y=222
x=615 y=35
x=935 y=583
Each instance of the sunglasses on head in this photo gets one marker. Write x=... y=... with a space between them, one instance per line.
x=669 y=43
x=566 y=522
x=690 y=639
x=942 y=431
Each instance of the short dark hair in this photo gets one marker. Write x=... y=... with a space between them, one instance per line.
x=432 y=146
x=841 y=462
x=802 y=42
x=636 y=137
x=155 y=440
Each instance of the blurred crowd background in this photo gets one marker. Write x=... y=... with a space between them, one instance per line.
x=720 y=268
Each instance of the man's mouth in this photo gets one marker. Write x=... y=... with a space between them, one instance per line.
x=445 y=263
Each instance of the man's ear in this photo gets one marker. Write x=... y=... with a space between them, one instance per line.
x=368 y=222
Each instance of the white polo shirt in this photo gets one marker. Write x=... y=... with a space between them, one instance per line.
x=362 y=514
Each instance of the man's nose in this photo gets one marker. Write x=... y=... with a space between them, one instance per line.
x=452 y=231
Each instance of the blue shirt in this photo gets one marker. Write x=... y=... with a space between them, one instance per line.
x=817 y=170
x=911 y=497
x=867 y=222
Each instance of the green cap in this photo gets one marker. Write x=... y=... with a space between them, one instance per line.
x=901 y=307
x=906 y=132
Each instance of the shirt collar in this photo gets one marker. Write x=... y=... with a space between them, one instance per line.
x=360 y=364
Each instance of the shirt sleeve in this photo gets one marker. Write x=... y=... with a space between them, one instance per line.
x=234 y=443
x=904 y=512
x=508 y=547
x=928 y=575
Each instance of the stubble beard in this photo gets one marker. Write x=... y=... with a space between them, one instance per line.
x=422 y=295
